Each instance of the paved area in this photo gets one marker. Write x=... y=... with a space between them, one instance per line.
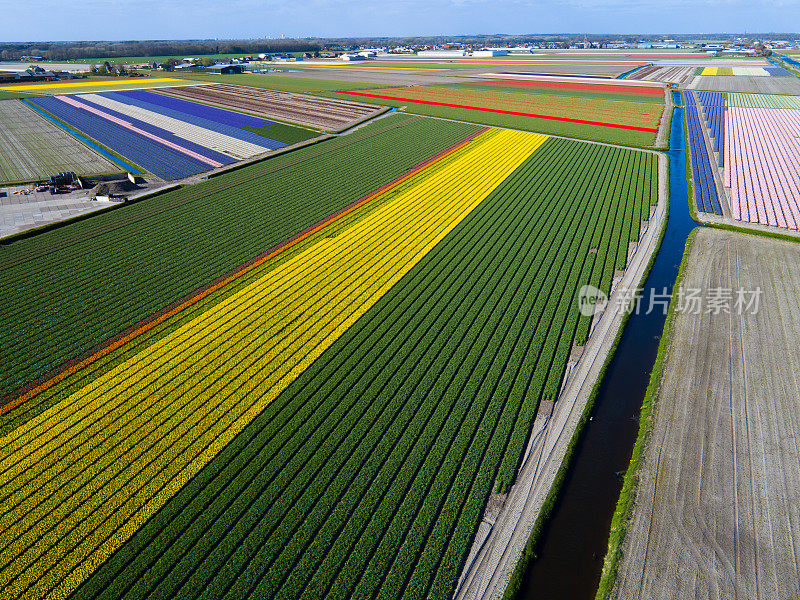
x=19 y=212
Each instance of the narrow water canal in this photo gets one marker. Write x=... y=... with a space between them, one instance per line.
x=573 y=546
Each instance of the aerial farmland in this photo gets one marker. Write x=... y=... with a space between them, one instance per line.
x=344 y=326
x=744 y=158
x=611 y=113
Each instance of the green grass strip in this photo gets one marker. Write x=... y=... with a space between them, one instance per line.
x=284 y=133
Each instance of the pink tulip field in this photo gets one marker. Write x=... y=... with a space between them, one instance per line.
x=762 y=165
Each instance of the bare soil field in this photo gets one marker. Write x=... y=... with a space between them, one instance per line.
x=716 y=512
x=668 y=74
x=33 y=148
x=747 y=84
x=323 y=113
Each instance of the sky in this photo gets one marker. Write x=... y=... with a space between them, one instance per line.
x=39 y=20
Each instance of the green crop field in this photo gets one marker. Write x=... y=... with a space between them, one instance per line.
x=68 y=289
x=368 y=475
x=284 y=133
x=11 y=95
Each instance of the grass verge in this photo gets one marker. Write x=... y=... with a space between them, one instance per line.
x=9 y=95
x=669 y=110
x=689 y=179
x=776 y=235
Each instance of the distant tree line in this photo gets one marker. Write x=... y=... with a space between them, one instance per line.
x=110 y=50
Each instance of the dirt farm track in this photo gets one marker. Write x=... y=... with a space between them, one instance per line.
x=716 y=509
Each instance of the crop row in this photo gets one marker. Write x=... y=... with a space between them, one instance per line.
x=669 y=74
x=225 y=121
x=77 y=479
x=368 y=475
x=619 y=93
x=66 y=290
x=564 y=118
x=323 y=113
x=77 y=86
x=208 y=113
x=157 y=158
x=762 y=165
x=148 y=130
x=737 y=71
x=705 y=186
x=713 y=104
x=634 y=114
x=763 y=100
x=204 y=137
x=32 y=148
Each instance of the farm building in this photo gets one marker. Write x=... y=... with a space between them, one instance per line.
x=225 y=69
x=739 y=52
x=442 y=53
x=489 y=53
